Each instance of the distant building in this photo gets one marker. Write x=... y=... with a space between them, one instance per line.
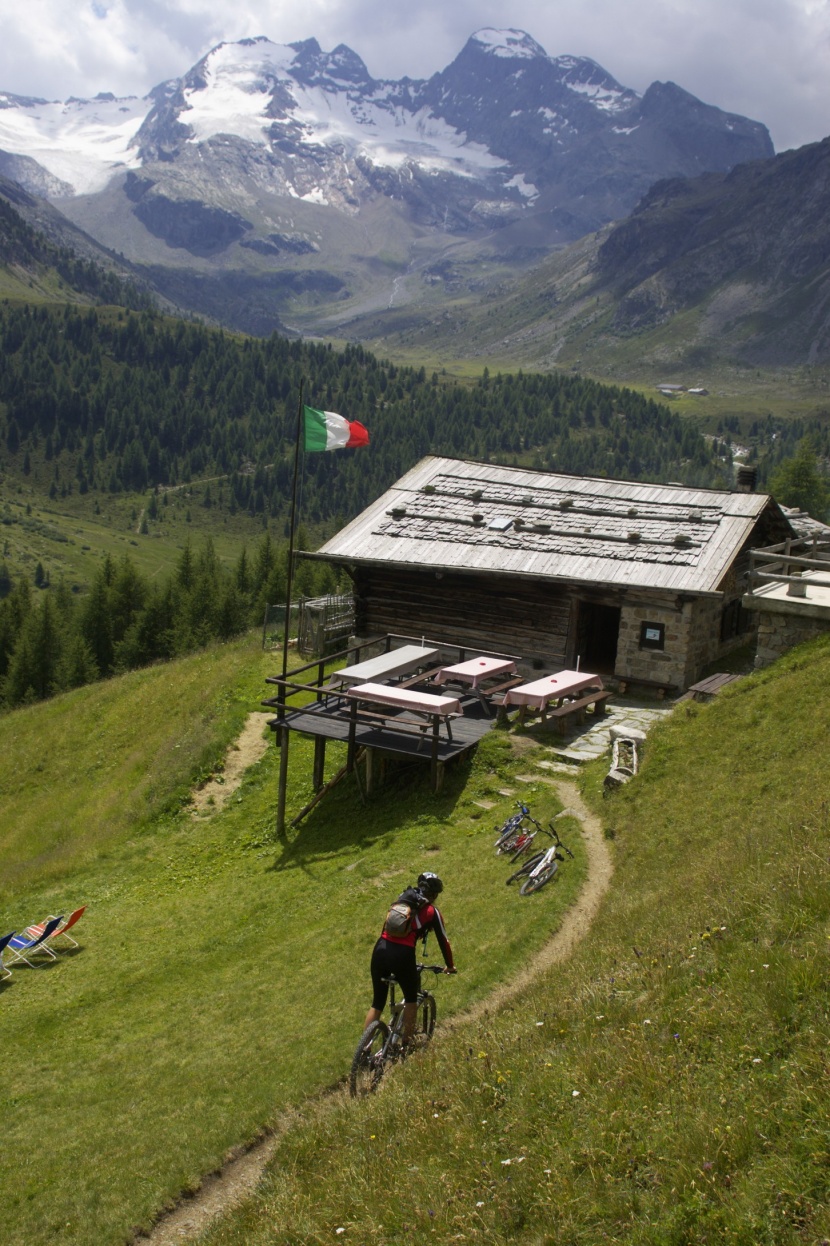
x=635 y=580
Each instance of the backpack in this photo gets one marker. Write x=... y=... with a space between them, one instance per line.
x=400 y=920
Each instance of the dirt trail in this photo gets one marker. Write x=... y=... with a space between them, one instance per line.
x=248 y=749
x=239 y=1178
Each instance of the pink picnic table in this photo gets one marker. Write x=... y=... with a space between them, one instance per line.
x=541 y=692
x=407 y=699
x=474 y=670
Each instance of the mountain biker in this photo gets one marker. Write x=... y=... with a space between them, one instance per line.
x=395 y=954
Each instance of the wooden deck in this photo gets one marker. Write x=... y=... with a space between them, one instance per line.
x=333 y=721
x=427 y=729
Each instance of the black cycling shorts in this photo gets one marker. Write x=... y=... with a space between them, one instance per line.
x=396 y=959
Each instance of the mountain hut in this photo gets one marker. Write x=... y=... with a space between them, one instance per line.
x=641 y=582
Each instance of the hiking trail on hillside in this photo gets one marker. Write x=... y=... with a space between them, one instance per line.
x=250 y=747
x=239 y=1177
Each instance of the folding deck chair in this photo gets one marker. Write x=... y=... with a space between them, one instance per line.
x=33 y=931
x=6 y=939
x=20 y=944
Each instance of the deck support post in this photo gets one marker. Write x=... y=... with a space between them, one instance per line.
x=352 y=734
x=434 y=765
x=370 y=770
x=282 y=740
x=319 y=762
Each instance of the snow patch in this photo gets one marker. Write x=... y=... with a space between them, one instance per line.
x=508 y=43
x=82 y=142
x=526 y=189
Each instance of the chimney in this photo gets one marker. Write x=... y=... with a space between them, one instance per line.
x=747 y=479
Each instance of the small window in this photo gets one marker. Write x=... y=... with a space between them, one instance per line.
x=652 y=635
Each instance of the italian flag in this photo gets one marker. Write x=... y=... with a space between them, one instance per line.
x=326 y=431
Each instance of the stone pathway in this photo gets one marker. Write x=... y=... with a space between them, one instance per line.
x=593 y=740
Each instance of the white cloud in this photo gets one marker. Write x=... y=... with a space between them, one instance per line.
x=766 y=59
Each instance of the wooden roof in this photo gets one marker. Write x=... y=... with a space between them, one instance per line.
x=464 y=516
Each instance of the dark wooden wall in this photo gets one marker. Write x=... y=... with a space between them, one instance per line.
x=525 y=617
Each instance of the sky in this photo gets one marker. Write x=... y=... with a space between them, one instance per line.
x=765 y=59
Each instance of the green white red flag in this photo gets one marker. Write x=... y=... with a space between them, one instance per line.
x=324 y=430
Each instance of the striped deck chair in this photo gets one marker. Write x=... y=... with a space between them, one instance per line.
x=6 y=939
x=60 y=933
x=20 y=944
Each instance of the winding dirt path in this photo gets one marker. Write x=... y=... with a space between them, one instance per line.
x=239 y=1177
x=248 y=749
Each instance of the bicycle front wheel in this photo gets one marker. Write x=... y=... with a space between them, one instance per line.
x=426 y=1018
x=535 y=882
x=367 y=1065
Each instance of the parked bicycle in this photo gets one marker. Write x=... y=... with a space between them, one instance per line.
x=382 y=1043
x=514 y=832
x=542 y=866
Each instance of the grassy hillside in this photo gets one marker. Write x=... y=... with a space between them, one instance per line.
x=669 y=1083
x=222 y=975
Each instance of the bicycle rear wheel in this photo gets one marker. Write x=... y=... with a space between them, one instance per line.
x=535 y=882
x=367 y=1065
x=529 y=865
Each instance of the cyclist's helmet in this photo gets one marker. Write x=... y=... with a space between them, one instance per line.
x=430 y=885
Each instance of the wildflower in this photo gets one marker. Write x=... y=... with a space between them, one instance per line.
x=601 y=1017
x=480 y=1203
x=575 y=1094
x=505 y=1162
x=766 y=966
x=435 y=1114
x=646 y=1022
x=341 y=1230
x=540 y=1023
x=756 y=1060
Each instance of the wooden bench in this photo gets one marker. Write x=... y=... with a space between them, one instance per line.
x=661 y=686
x=401 y=722
x=424 y=677
x=563 y=714
x=704 y=689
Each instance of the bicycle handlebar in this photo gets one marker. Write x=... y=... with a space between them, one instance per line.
x=554 y=834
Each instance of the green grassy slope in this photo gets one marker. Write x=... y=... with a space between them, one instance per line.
x=669 y=1084
x=222 y=975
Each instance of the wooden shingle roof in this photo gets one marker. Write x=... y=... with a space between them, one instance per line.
x=464 y=516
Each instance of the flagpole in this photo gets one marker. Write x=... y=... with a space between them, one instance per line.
x=291 y=528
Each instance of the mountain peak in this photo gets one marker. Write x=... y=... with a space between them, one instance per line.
x=512 y=44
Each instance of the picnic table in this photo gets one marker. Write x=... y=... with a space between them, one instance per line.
x=426 y=706
x=555 y=689
x=385 y=665
x=475 y=670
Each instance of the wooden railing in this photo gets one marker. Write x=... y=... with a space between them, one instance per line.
x=787 y=562
x=294 y=685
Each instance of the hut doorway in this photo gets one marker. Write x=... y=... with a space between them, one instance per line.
x=597 y=633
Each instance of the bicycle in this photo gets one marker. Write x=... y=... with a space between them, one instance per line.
x=523 y=842
x=541 y=867
x=511 y=832
x=382 y=1043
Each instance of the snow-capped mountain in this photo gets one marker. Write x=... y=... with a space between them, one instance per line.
x=269 y=161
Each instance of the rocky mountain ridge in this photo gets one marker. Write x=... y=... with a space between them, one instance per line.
x=273 y=180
